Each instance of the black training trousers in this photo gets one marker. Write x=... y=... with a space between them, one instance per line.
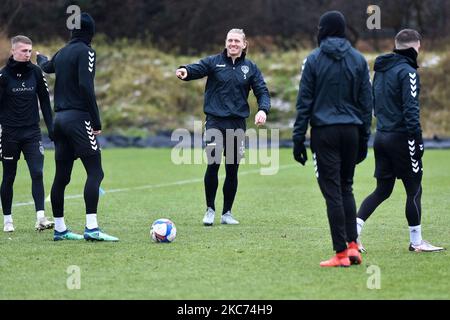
x=335 y=150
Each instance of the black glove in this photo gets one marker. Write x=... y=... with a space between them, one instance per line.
x=299 y=151
x=416 y=148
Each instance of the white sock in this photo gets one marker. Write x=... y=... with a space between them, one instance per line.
x=415 y=235
x=91 y=221
x=40 y=214
x=60 y=225
x=7 y=219
x=359 y=225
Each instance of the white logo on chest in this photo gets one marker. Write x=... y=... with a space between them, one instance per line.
x=245 y=70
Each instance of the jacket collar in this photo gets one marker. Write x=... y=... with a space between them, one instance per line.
x=238 y=60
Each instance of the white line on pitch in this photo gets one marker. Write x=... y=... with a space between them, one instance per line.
x=154 y=186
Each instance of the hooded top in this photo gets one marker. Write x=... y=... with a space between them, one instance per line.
x=334 y=89
x=396 y=88
x=74 y=66
x=21 y=85
x=331 y=24
x=86 y=31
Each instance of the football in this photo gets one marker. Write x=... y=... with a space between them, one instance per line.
x=163 y=230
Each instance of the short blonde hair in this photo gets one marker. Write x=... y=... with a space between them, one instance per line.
x=20 y=39
x=241 y=32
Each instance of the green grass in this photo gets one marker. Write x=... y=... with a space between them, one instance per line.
x=273 y=254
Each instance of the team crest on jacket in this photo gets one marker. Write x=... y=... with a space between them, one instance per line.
x=245 y=70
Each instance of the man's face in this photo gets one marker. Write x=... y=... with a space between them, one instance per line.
x=21 y=52
x=235 y=44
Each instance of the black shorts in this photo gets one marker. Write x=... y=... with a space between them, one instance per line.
x=74 y=137
x=225 y=135
x=392 y=159
x=14 y=140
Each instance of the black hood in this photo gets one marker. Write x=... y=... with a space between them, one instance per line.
x=336 y=48
x=411 y=54
x=331 y=24
x=390 y=60
x=87 y=30
x=19 y=67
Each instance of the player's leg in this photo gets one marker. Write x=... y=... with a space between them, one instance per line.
x=349 y=153
x=64 y=159
x=381 y=193
x=10 y=151
x=213 y=139
x=385 y=175
x=325 y=146
x=234 y=152
x=95 y=175
x=34 y=156
x=6 y=191
x=93 y=166
x=413 y=210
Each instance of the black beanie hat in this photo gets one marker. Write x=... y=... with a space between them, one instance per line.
x=331 y=24
x=87 y=30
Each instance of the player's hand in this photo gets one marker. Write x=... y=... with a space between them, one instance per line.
x=181 y=73
x=260 y=118
x=299 y=152
x=97 y=132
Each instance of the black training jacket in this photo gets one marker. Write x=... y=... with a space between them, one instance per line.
x=228 y=85
x=74 y=66
x=396 y=88
x=334 y=89
x=21 y=85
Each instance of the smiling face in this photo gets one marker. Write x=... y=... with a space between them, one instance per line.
x=21 y=52
x=235 y=44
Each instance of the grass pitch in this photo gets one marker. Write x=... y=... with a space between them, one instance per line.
x=273 y=254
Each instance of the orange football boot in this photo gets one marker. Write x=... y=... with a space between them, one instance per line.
x=353 y=253
x=339 y=260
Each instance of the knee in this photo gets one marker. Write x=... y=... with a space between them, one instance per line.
x=36 y=175
x=383 y=193
x=97 y=175
x=62 y=180
x=212 y=169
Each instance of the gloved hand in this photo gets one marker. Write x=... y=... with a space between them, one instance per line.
x=416 y=147
x=299 y=151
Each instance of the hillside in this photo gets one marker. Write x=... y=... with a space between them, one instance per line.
x=139 y=94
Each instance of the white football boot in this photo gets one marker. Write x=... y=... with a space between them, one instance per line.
x=227 y=218
x=43 y=224
x=208 y=219
x=424 y=246
x=8 y=227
